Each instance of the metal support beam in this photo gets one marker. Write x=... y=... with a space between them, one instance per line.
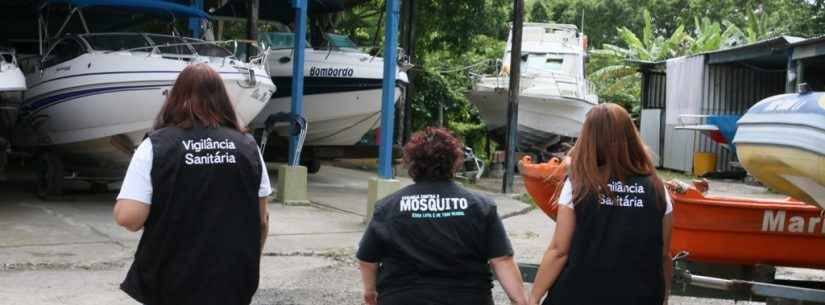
x=408 y=43
x=194 y=22
x=298 y=70
x=512 y=105
x=388 y=92
x=791 y=77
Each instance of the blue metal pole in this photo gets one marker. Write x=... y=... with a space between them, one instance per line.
x=298 y=69
x=195 y=23
x=388 y=92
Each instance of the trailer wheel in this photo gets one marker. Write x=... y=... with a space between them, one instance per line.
x=49 y=175
x=98 y=187
x=313 y=166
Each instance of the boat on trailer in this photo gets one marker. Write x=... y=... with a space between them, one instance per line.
x=554 y=95
x=342 y=88
x=781 y=142
x=93 y=96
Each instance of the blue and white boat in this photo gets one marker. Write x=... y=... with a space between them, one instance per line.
x=93 y=95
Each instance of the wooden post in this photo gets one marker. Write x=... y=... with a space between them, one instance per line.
x=512 y=105
x=252 y=27
x=408 y=43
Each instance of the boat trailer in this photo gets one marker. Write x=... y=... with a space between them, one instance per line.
x=775 y=292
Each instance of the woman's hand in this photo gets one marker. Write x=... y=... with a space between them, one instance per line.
x=370 y=297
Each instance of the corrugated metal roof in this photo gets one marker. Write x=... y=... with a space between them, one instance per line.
x=815 y=40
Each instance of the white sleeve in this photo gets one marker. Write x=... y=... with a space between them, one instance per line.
x=266 y=188
x=137 y=185
x=669 y=202
x=566 y=196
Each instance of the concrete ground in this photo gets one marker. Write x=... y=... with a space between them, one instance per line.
x=71 y=252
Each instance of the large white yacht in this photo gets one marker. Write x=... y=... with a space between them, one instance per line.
x=554 y=95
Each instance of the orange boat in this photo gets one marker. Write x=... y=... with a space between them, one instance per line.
x=746 y=231
x=543 y=182
x=730 y=230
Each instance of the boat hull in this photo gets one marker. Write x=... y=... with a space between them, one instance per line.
x=542 y=119
x=747 y=231
x=781 y=142
x=96 y=117
x=727 y=230
x=334 y=119
x=12 y=79
x=342 y=94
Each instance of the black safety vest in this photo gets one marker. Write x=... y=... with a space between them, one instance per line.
x=201 y=243
x=616 y=251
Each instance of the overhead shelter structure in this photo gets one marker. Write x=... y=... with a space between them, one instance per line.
x=727 y=82
x=809 y=56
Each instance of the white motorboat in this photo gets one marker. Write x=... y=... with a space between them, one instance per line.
x=12 y=83
x=94 y=96
x=342 y=88
x=554 y=95
x=11 y=77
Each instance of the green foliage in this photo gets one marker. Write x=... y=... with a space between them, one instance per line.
x=539 y=13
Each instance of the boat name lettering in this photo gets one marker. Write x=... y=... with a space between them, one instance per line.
x=775 y=221
x=788 y=104
x=331 y=72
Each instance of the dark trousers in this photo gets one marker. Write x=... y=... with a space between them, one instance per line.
x=436 y=297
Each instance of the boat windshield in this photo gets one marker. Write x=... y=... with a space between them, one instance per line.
x=173 y=44
x=165 y=44
x=277 y=40
x=6 y=57
x=117 y=42
x=558 y=63
x=341 y=42
x=205 y=48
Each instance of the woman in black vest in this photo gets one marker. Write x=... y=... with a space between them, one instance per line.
x=197 y=186
x=612 y=234
x=434 y=242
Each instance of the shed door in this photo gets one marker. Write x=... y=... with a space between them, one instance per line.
x=678 y=148
x=652 y=132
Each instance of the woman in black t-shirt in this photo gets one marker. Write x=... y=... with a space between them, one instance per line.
x=612 y=234
x=434 y=242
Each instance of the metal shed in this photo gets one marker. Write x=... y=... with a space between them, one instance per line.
x=732 y=80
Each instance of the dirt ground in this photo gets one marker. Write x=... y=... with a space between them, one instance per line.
x=71 y=252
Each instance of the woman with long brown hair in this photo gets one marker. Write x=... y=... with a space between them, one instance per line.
x=612 y=235
x=197 y=186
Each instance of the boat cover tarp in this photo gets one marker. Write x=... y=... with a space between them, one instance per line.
x=282 y=10
x=727 y=126
x=151 y=5
x=684 y=88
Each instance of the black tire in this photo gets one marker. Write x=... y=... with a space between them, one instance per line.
x=50 y=175
x=98 y=187
x=313 y=166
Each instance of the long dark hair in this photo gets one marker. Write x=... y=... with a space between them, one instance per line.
x=198 y=96
x=609 y=147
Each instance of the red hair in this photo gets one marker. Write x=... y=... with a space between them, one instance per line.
x=609 y=147
x=198 y=96
x=433 y=154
